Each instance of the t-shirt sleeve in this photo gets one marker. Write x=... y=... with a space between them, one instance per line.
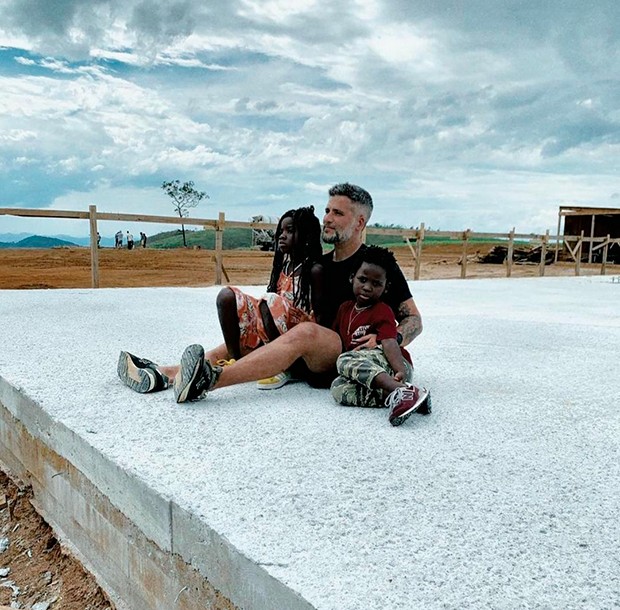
x=384 y=322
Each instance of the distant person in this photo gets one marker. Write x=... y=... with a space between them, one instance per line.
x=98 y=240
x=129 y=241
x=118 y=239
x=143 y=239
x=380 y=376
x=293 y=295
x=311 y=348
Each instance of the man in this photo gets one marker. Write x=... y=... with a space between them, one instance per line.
x=311 y=349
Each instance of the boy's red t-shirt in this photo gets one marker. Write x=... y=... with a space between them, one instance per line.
x=378 y=319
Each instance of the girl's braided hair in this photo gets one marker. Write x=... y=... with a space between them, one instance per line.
x=306 y=251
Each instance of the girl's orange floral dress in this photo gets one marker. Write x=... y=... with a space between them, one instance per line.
x=285 y=314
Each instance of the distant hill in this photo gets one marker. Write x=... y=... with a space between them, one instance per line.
x=234 y=238
x=37 y=241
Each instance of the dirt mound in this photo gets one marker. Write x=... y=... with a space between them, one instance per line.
x=36 y=570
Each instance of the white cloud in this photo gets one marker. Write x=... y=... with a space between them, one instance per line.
x=477 y=117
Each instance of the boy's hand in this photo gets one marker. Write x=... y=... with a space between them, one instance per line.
x=399 y=376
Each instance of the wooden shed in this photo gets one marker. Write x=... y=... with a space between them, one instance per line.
x=592 y=223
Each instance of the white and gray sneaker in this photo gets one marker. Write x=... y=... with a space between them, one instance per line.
x=196 y=375
x=140 y=374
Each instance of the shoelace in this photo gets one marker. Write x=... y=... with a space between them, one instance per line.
x=400 y=394
x=223 y=362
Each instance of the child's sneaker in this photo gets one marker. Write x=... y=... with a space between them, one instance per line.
x=406 y=400
x=196 y=375
x=275 y=382
x=140 y=374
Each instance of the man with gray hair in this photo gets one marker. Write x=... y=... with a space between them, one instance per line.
x=309 y=349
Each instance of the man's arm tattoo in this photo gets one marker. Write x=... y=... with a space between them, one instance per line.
x=410 y=322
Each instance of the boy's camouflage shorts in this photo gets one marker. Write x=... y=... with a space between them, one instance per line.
x=356 y=371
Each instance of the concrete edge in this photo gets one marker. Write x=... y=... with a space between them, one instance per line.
x=140 y=547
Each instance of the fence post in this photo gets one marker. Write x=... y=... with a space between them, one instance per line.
x=418 y=251
x=543 y=253
x=464 y=257
x=604 y=259
x=219 y=232
x=557 y=238
x=94 y=248
x=591 y=239
x=578 y=256
x=510 y=254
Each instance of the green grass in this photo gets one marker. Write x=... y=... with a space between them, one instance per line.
x=233 y=239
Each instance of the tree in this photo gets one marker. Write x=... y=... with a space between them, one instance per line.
x=184 y=196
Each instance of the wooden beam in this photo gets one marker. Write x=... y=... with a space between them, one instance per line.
x=543 y=254
x=406 y=238
x=464 y=255
x=604 y=259
x=418 y=249
x=94 y=247
x=578 y=257
x=591 y=238
x=581 y=211
x=557 y=238
x=32 y=212
x=510 y=255
x=219 y=233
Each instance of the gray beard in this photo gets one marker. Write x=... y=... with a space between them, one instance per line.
x=337 y=237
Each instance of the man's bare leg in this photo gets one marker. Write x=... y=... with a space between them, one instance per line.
x=217 y=353
x=318 y=346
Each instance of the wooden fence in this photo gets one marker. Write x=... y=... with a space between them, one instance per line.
x=417 y=236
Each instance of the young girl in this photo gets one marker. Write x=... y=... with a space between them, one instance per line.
x=380 y=376
x=293 y=294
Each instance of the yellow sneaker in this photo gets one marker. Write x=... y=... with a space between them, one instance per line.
x=275 y=382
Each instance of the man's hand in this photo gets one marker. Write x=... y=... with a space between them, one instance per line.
x=366 y=342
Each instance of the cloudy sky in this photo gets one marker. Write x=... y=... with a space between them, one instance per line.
x=481 y=114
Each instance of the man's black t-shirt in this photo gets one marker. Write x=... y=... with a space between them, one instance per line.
x=337 y=287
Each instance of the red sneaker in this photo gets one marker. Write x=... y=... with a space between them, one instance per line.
x=406 y=400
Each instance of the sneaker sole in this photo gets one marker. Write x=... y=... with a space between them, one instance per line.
x=139 y=380
x=423 y=407
x=191 y=363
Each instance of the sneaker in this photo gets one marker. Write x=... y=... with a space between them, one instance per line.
x=275 y=382
x=196 y=375
x=406 y=400
x=140 y=374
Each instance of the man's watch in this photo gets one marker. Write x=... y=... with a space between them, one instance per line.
x=399 y=339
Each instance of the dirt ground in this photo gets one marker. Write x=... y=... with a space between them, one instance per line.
x=70 y=267
x=40 y=571
x=41 y=575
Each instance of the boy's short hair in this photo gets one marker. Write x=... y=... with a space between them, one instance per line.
x=356 y=194
x=381 y=257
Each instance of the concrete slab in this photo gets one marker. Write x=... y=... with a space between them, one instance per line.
x=506 y=496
